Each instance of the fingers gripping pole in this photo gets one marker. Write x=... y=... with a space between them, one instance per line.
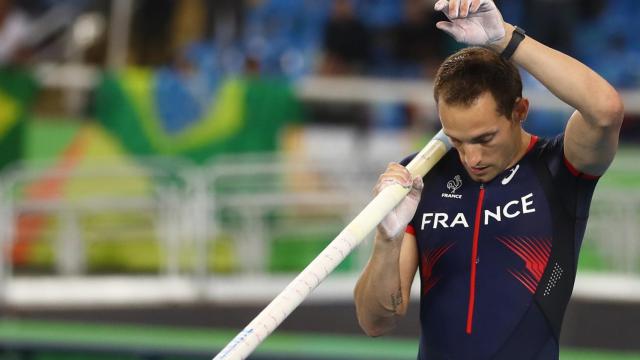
x=268 y=320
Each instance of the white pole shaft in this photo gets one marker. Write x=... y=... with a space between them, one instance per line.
x=289 y=299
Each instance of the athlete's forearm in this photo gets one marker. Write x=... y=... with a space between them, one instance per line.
x=378 y=293
x=568 y=79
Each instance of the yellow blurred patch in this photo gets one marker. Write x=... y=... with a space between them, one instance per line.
x=9 y=110
x=101 y=150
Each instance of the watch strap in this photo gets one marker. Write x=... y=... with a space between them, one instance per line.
x=516 y=38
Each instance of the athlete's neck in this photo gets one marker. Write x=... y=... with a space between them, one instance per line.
x=521 y=149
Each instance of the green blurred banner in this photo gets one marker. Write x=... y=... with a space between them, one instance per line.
x=17 y=92
x=243 y=115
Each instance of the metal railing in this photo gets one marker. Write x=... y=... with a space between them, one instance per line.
x=180 y=212
x=195 y=228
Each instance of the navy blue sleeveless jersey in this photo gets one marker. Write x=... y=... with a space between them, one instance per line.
x=498 y=260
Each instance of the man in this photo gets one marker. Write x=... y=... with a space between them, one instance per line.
x=495 y=234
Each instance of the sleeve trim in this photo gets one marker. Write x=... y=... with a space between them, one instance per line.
x=532 y=142
x=410 y=230
x=575 y=172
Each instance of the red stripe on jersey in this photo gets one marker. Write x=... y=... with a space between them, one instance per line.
x=429 y=260
x=535 y=254
x=474 y=257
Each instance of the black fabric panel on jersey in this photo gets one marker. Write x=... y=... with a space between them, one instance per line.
x=549 y=351
x=556 y=285
x=529 y=338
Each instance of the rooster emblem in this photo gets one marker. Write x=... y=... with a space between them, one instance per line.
x=454 y=184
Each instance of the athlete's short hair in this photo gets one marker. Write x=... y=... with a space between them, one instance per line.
x=468 y=73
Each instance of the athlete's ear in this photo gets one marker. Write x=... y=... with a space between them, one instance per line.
x=520 y=110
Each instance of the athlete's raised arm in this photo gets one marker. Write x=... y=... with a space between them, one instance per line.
x=591 y=136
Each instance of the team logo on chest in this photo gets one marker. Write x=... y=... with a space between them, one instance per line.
x=452 y=186
x=507 y=179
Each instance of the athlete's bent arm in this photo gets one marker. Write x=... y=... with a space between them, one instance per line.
x=591 y=136
x=382 y=292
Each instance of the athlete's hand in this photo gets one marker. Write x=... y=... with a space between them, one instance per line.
x=396 y=221
x=472 y=22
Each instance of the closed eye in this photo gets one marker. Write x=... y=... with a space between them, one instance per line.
x=484 y=138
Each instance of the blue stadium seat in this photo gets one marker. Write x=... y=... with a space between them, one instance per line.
x=380 y=13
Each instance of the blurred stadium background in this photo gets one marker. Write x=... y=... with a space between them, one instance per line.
x=167 y=167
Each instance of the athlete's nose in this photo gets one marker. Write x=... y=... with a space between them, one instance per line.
x=472 y=154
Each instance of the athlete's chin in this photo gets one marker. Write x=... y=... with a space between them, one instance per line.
x=482 y=176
